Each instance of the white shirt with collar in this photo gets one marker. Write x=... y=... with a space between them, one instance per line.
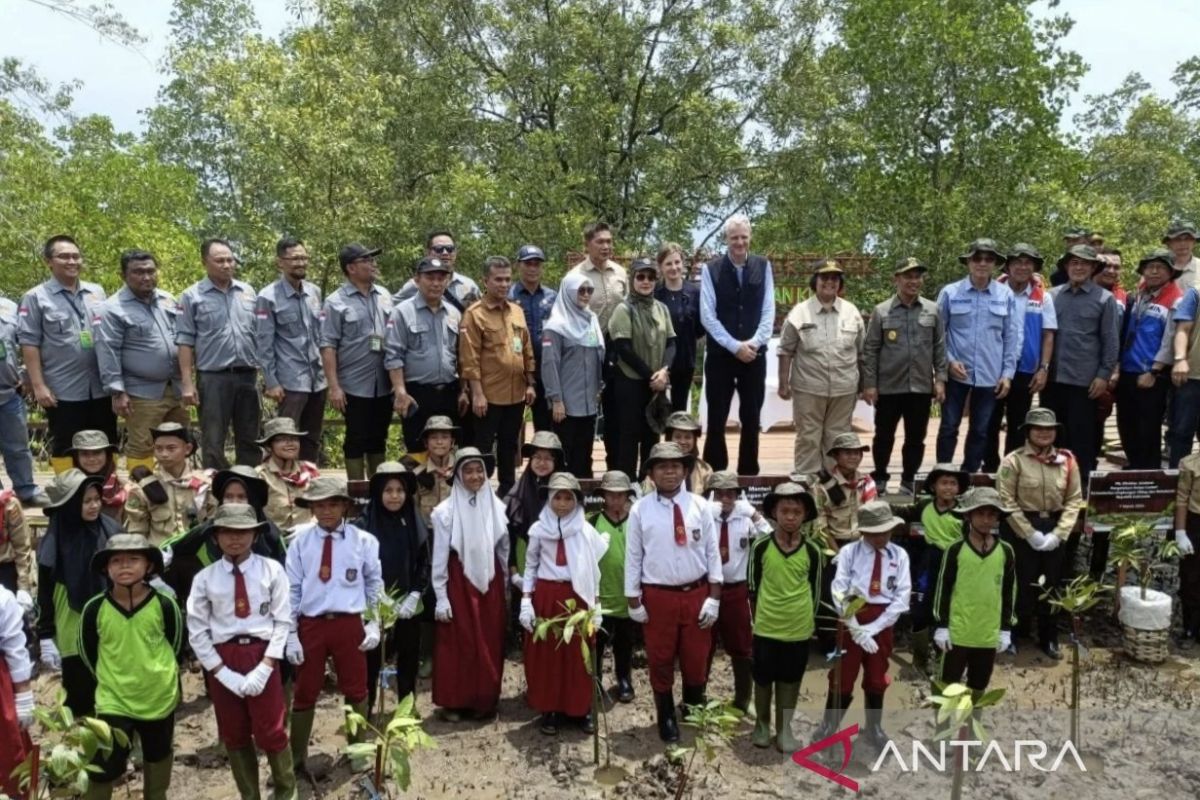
x=742 y=533
x=651 y=554
x=212 y=619
x=356 y=579
x=856 y=564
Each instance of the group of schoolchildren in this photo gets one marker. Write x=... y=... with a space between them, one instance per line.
x=275 y=588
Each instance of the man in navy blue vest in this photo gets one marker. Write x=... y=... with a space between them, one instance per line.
x=737 y=310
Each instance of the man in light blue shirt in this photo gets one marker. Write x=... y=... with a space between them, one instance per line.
x=737 y=310
x=983 y=340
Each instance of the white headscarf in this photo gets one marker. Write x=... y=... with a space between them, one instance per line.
x=578 y=325
x=477 y=524
x=585 y=547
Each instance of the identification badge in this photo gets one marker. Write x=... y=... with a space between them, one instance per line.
x=376 y=343
x=85 y=340
x=351 y=575
x=516 y=345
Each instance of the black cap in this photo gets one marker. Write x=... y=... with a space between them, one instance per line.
x=643 y=265
x=431 y=265
x=355 y=251
x=530 y=252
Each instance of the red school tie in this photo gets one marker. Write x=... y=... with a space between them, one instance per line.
x=724 y=545
x=241 y=598
x=680 y=530
x=326 y=560
x=877 y=574
x=560 y=555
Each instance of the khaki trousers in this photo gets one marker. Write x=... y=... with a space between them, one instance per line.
x=818 y=420
x=147 y=414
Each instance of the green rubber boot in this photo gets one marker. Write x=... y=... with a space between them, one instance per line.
x=302 y=725
x=360 y=763
x=156 y=778
x=98 y=790
x=762 y=721
x=243 y=763
x=785 y=709
x=283 y=776
x=356 y=469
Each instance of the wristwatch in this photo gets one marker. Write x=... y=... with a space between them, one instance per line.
x=1043 y=367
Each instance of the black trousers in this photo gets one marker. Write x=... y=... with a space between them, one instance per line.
x=157 y=737
x=1077 y=413
x=1012 y=409
x=307 y=409
x=772 y=660
x=724 y=375
x=633 y=436
x=403 y=650
x=681 y=387
x=501 y=427
x=619 y=633
x=367 y=421
x=977 y=662
x=578 y=435
x=1189 y=581
x=80 y=686
x=1139 y=420
x=1032 y=565
x=229 y=398
x=610 y=432
x=913 y=408
x=70 y=417
x=432 y=401
x=540 y=410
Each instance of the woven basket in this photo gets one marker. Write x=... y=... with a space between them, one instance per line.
x=1147 y=646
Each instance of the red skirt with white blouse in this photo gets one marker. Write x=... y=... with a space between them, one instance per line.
x=554 y=671
x=468 y=651
x=14 y=742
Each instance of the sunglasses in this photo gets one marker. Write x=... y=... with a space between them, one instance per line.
x=644 y=276
x=586 y=289
x=443 y=249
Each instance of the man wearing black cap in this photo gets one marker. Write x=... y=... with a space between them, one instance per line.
x=536 y=301
x=1085 y=355
x=461 y=291
x=353 y=322
x=1071 y=237
x=737 y=309
x=1037 y=346
x=215 y=334
x=422 y=355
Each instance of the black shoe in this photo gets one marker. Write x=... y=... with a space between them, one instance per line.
x=1052 y=651
x=668 y=729
x=549 y=723
x=587 y=724
x=624 y=690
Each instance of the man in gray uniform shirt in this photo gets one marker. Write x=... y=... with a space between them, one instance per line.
x=59 y=324
x=353 y=323
x=215 y=334
x=422 y=355
x=139 y=362
x=286 y=336
x=14 y=428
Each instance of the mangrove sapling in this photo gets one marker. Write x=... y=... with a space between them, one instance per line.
x=958 y=718
x=395 y=744
x=74 y=743
x=715 y=724
x=1076 y=598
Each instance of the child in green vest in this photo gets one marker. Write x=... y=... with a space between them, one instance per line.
x=784 y=584
x=130 y=638
x=616 y=628
x=933 y=526
x=975 y=600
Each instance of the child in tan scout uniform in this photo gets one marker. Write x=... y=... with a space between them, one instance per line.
x=16 y=550
x=434 y=473
x=171 y=499
x=286 y=475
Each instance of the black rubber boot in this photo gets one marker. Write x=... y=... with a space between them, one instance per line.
x=668 y=729
x=743 y=684
x=623 y=666
x=835 y=709
x=874 y=713
x=693 y=697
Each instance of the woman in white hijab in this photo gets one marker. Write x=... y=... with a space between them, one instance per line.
x=572 y=361
x=470 y=549
x=561 y=564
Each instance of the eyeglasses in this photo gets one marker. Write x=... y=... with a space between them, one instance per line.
x=443 y=249
x=586 y=290
x=69 y=258
x=644 y=276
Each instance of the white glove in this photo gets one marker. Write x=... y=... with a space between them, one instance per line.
x=167 y=555
x=442 y=612
x=865 y=640
x=1037 y=540
x=24 y=704
x=941 y=638
x=50 y=657
x=639 y=614
x=408 y=608
x=1181 y=539
x=527 y=617
x=158 y=583
x=24 y=601
x=233 y=681
x=1052 y=542
x=256 y=680
x=597 y=619
x=370 y=638
x=517 y=580
x=709 y=612
x=1005 y=641
x=294 y=651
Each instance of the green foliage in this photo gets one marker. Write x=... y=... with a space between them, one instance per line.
x=564 y=627
x=393 y=746
x=715 y=724
x=1137 y=546
x=956 y=706
x=73 y=743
